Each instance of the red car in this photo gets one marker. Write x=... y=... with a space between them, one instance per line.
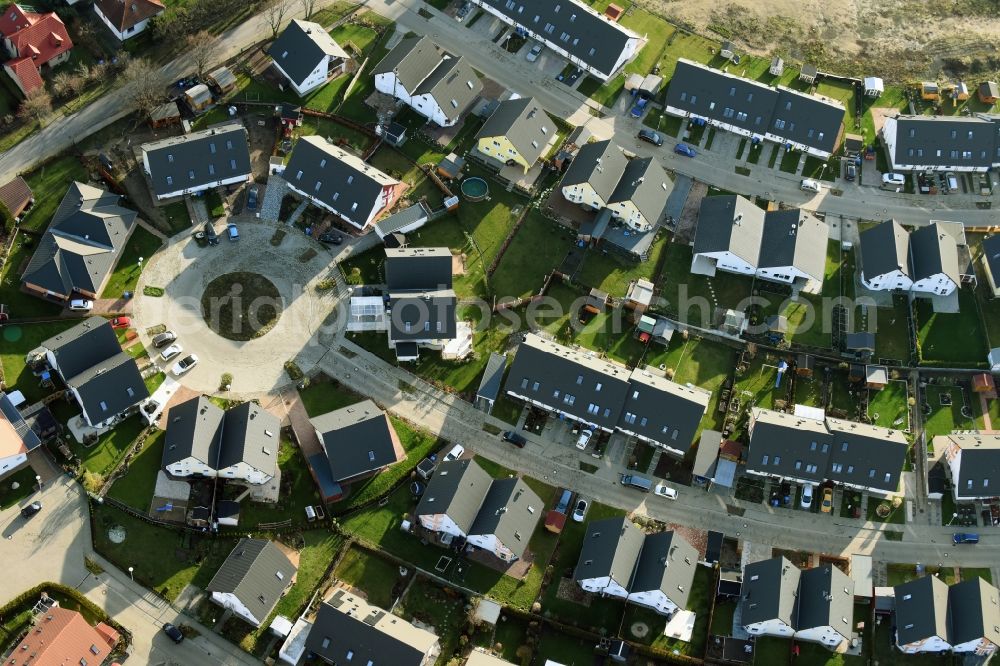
x=121 y=322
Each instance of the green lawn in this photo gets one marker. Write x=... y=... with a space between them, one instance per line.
x=904 y=573
x=103 y=456
x=790 y=161
x=564 y=649
x=538 y=247
x=952 y=340
x=136 y=487
x=968 y=573
x=298 y=490
x=325 y=395
x=699 y=601
x=141 y=244
x=49 y=183
x=177 y=217
x=693 y=298
x=609 y=273
x=663 y=122
x=896 y=515
x=153 y=382
x=944 y=419
x=25 y=480
x=369 y=573
x=19 y=340
x=892 y=333
x=440 y=608
x=19 y=304
x=705 y=364
x=888 y=407
x=365 y=268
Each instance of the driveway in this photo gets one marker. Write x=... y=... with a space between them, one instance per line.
x=183 y=270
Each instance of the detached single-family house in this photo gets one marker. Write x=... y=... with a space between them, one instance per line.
x=941 y=143
x=728 y=237
x=348 y=630
x=240 y=443
x=340 y=182
x=885 y=257
x=825 y=606
x=103 y=379
x=593 y=175
x=252 y=580
x=769 y=598
x=991 y=263
x=79 y=250
x=664 y=573
x=422 y=303
x=127 y=18
x=933 y=261
x=973 y=462
x=571 y=28
x=922 y=618
x=17 y=439
x=517 y=132
x=610 y=551
x=451 y=502
x=34 y=44
x=641 y=194
x=793 y=249
x=506 y=520
x=198 y=161
x=359 y=441
x=975 y=617
x=777 y=67
x=62 y=636
x=434 y=83
x=307 y=56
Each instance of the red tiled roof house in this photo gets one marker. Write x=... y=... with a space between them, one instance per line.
x=33 y=43
x=60 y=636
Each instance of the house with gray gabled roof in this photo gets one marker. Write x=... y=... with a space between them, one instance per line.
x=340 y=182
x=104 y=380
x=358 y=441
x=451 y=502
x=252 y=580
x=608 y=558
x=422 y=303
x=942 y=143
x=975 y=617
x=593 y=175
x=793 y=249
x=250 y=442
x=518 y=131
x=198 y=161
x=769 y=598
x=811 y=123
x=885 y=257
x=923 y=619
x=17 y=439
x=991 y=263
x=434 y=83
x=664 y=573
x=825 y=606
x=973 y=462
x=307 y=56
x=661 y=412
x=506 y=520
x=933 y=261
x=572 y=29
x=79 y=250
x=728 y=236
x=641 y=194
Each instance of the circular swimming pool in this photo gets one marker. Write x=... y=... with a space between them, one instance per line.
x=475 y=188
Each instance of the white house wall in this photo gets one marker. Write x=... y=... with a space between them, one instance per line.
x=980 y=646
x=630 y=215
x=10 y=463
x=315 y=79
x=490 y=542
x=932 y=644
x=939 y=284
x=244 y=471
x=604 y=585
x=773 y=627
x=824 y=635
x=727 y=261
x=190 y=466
x=229 y=600
x=122 y=36
x=888 y=281
x=352 y=217
x=441 y=522
x=583 y=194
x=387 y=84
x=654 y=599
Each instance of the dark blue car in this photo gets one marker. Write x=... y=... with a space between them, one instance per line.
x=252 y=198
x=685 y=150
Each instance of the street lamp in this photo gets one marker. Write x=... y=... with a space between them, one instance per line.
x=953 y=517
x=130 y=570
x=38 y=481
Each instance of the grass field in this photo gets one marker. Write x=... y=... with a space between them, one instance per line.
x=136 y=487
x=538 y=247
x=371 y=574
x=955 y=340
x=326 y=395
x=892 y=331
x=888 y=407
x=609 y=273
x=943 y=419
x=103 y=456
x=141 y=244
x=17 y=341
x=693 y=298
x=25 y=480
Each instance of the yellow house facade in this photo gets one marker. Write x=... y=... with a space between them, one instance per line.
x=517 y=132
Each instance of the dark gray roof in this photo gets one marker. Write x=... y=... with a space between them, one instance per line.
x=82 y=244
x=553 y=374
x=82 y=346
x=770 y=591
x=458 y=488
x=730 y=223
x=358 y=438
x=401 y=219
x=412 y=59
x=601 y=164
x=336 y=632
x=250 y=435
x=589 y=37
x=989 y=89
x=695 y=88
x=974 y=611
x=826 y=599
x=966 y=141
x=786 y=445
x=193 y=431
x=301 y=47
x=9 y=413
x=257 y=573
x=610 y=548
x=524 y=123
x=340 y=180
x=423 y=315
x=707 y=455
x=646 y=185
x=807 y=119
x=884 y=249
x=109 y=387
x=454 y=86
x=667 y=563
x=418 y=268
x=980 y=464
x=489 y=386
x=245 y=433
x=510 y=511
x=794 y=237
x=199 y=158
x=865 y=454
x=663 y=410
x=933 y=251
x=922 y=610
x=991 y=254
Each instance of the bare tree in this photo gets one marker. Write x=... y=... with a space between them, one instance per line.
x=144 y=84
x=308 y=7
x=36 y=105
x=274 y=14
x=203 y=50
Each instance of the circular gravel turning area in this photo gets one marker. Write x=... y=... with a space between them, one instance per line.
x=241 y=306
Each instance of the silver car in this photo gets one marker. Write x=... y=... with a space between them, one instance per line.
x=533 y=54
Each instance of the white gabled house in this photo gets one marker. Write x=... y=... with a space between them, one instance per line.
x=252 y=580
x=454 y=494
x=664 y=573
x=922 y=616
x=825 y=606
x=195 y=162
x=507 y=519
x=885 y=257
x=610 y=551
x=307 y=56
x=594 y=174
x=793 y=249
x=973 y=463
x=933 y=261
x=768 y=597
x=728 y=237
x=127 y=18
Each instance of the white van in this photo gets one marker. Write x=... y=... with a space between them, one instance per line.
x=809 y=185
x=81 y=305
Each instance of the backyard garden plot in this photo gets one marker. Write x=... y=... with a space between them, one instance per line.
x=396 y=164
x=705 y=364
x=49 y=183
x=136 y=486
x=16 y=341
x=951 y=340
x=892 y=331
x=945 y=410
x=324 y=395
x=699 y=602
x=298 y=490
x=141 y=245
x=608 y=272
x=538 y=247
x=375 y=577
x=694 y=298
x=889 y=408
x=758 y=385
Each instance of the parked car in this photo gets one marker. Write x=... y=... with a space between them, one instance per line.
x=514 y=438
x=965 y=537
x=252 y=198
x=637 y=482
x=170 y=352
x=584 y=439
x=331 y=238
x=786 y=493
x=562 y=506
x=650 y=136
x=164 y=338
x=456 y=452
x=685 y=150
x=827 y=505
x=31 y=509
x=851 y=172
x=533 y=54
x=173 y=633
x=663 y=490
x=81 y=305
x=463 y=11
x=893 y=181
x=210 y=235
x=807 y=496
x=234 y=233
x=121 y=322
x=952 y=182
x=580 y=511
x=185 y=364
x=809 y=185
